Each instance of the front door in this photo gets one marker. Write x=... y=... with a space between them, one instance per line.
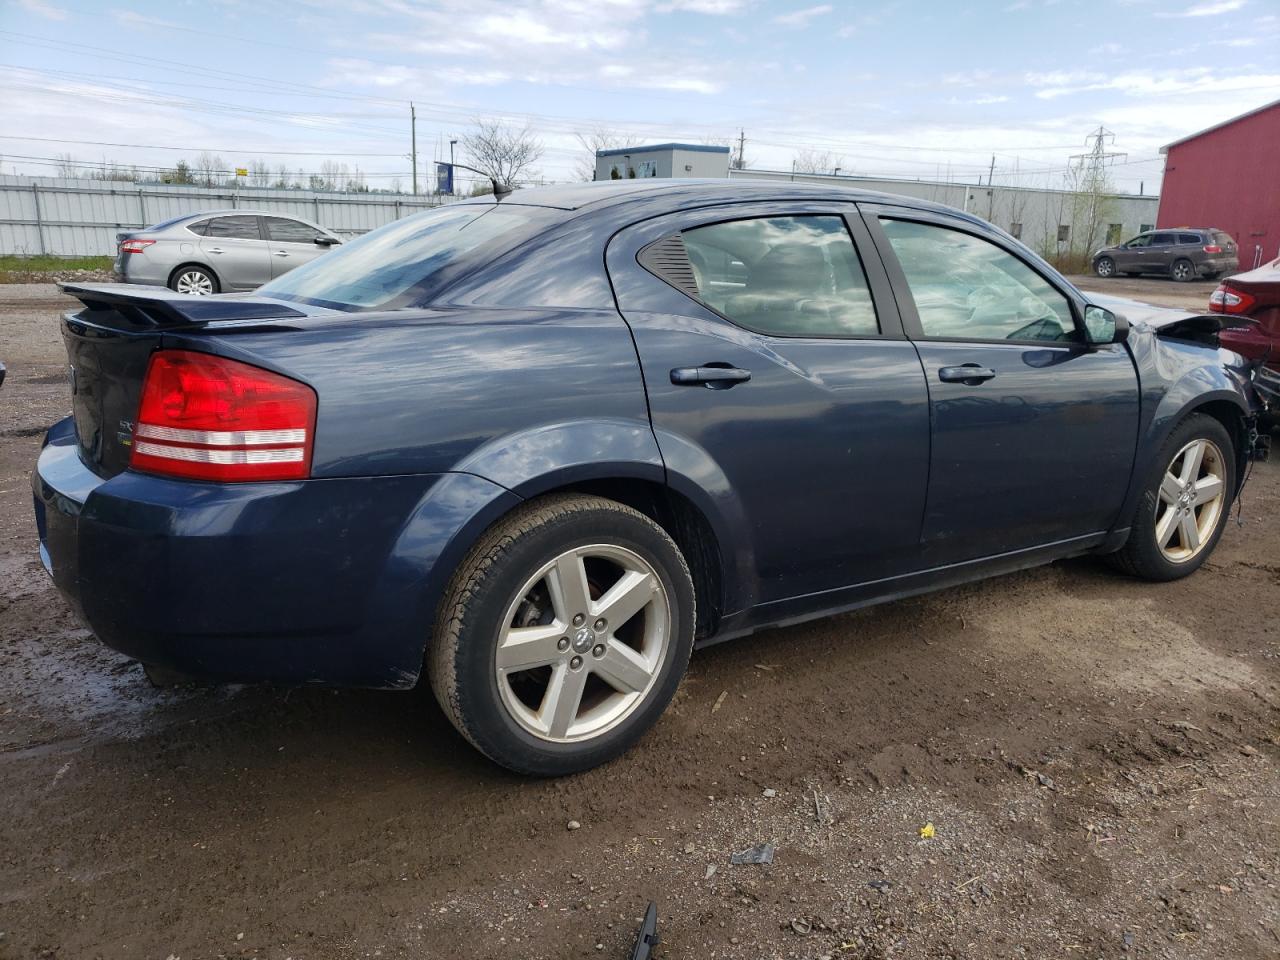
x=1131 y=258
x=235 y=249
x=292 y=243
x=778 y=376
x=1033 y=431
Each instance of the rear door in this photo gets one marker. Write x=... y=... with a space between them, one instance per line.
x=778 y=375
x=1161 y=254
x=292 y=243
x=234 y=247
x=1033 y=432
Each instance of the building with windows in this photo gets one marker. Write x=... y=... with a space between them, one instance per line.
x=1228 y=177
x=663 y=160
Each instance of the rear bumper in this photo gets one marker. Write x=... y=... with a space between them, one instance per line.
x=316 y=581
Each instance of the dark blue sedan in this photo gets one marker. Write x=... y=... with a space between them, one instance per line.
x=540 y=447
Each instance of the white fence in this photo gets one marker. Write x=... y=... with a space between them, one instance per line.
x=80 y=218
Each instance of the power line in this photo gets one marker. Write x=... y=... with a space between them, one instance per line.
x=154 y=146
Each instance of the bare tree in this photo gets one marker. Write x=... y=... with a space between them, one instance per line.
x=816 y=161
x=592 y=142
x=66 y=165
x=210 y=169
x=501 y=151
x=284 y=179
x=260 y=173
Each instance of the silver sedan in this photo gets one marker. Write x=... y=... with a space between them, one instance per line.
x=219 y=250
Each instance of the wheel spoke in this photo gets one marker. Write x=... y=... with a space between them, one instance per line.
x=1208 y=489
x=626 y=598
x=623 y=668
x=1166 y=525
x=1189 y=531
x=1191 y=461
x=1170 y=488
x=562 y=699
x=523 y=648
x=568 y=583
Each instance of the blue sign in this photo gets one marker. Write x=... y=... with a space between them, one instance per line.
x=444 y=178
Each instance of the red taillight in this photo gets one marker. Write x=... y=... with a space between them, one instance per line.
x=1213 y=248
x=1229 y=300
x=209 y=418
x=135 y=246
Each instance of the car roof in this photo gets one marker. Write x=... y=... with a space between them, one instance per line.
x=603 y=194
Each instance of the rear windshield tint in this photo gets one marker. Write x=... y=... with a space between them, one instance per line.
x=399 y=264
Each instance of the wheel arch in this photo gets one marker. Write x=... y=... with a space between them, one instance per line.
x=1233 y=416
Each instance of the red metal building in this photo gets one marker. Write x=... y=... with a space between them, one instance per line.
x=1228 y=176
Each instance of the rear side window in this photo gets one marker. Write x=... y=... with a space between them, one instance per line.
x=234 y=228
x=199 y=228
x=290 y=231
x=783 y=276
x=1189 y=238
x=966 y=288
x=1162 y=240
x=396 y=265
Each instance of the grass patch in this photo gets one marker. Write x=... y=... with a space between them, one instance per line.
x=33 y=269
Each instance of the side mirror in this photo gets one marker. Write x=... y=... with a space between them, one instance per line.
x=1102 y=326
x=326 y=241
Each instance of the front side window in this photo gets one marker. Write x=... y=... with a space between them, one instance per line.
x=969 y=289
x=283 y=230
x=1138 y=242
x=396 y=264
x=234 y=228
x=783 y=276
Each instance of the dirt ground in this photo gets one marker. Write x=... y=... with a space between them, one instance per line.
x=1097 y=759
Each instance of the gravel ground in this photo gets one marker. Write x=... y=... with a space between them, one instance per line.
x=1061 y=763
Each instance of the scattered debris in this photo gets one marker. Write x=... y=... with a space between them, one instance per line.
x=711 y=871
x=1249 y=751
x=1128 y=939
x=689 y=847
x=880 y=886
x=1044 y=781
x=927 y=832
x=719 y=700
x=770 y=793
x=961 y=886
x=573 y=825
x=802 y=927
x=760 y=853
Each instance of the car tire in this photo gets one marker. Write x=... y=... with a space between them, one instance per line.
x=1105 y=267
x=193 y=280
x=1172 y=535
x=533 y=680
x=1183 y=270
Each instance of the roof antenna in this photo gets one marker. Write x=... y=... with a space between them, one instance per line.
x=500 y=190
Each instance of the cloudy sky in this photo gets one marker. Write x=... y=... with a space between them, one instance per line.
x=915 y=88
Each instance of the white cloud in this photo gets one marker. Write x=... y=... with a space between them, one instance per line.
x=801 y=18
x=1144 y=84
x=1210 y=8
x=42 y=9
x=712 y=7
x=1108 y=49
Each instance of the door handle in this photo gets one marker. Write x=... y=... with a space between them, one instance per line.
x=970 y=374
x=281 y=253
x=711 y=376
x=215 y=249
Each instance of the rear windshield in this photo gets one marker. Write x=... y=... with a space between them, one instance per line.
x=400 y=264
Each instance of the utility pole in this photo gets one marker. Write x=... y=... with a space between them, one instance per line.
x=742 y=148
x=992 y=172
x=413 y=140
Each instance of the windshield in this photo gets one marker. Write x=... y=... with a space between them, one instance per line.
x=396 y=265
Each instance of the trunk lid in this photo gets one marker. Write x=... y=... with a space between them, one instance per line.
x=109 y=344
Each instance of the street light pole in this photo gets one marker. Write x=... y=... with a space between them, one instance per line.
x=451 y=183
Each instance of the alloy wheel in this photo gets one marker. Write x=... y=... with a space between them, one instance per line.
x=1182 y=270
x=195 y=283
x=1192 y=493
x=582 y=643
x=1106 y=267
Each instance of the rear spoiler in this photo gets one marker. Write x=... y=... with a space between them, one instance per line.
x=156 y=307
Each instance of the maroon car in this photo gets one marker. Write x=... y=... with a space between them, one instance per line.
x=1256 y=295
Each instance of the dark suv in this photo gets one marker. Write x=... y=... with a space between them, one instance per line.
x=1183 y=253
